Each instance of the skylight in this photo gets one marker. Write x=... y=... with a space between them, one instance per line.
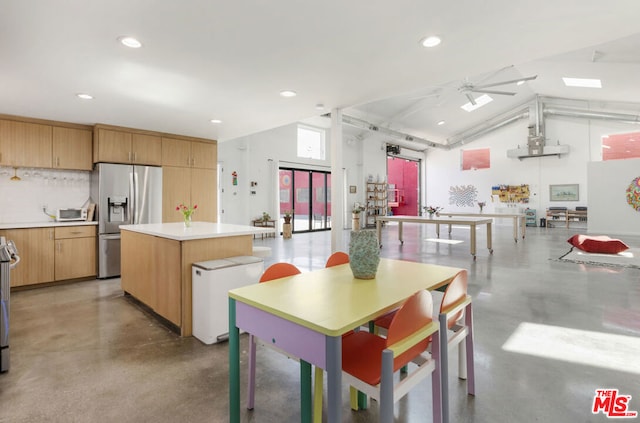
x=582 y=82
x=480 y=101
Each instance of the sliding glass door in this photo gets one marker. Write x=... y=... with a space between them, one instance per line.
x=308 y=194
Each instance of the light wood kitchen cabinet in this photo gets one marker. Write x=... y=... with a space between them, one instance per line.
x=113 y=146
x=190 y=187
x=204 y=192
x=156 y=283
x=177 y=152
x=24 y=144
x=75 y=252
x=53 y=253
x=72 y=148
x=140 y=269
x=36 y=249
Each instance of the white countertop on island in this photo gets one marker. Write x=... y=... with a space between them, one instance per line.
x=47 y=224
x=198 y=230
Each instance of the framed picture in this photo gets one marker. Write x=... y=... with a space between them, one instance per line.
x=352 y=189
x=566 y=192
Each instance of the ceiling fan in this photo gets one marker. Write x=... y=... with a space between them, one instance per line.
x=467 y=88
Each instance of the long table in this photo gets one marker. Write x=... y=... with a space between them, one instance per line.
x=519 y=219
x=307 y=314
x=472 y=223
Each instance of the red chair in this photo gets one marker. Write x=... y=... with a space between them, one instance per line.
x=369 y=361
x=456 y=325
x=337 y=259
x=275 y=271
x=279 y=270
x=334 y=259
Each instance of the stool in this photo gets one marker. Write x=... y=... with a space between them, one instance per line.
x=261 y=251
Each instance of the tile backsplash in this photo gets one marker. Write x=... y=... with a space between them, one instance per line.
x=22 y=201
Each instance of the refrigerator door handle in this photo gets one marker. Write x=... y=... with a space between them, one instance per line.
x=132 y=195
x=136 y=196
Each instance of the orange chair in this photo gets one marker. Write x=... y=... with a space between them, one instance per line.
x=337 y=258
x=456 y=325
x=369 y=361
x=275 y=271
x=279 y=270
x=334 y=259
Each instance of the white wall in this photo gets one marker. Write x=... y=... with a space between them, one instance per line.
x=609 y=212
x=253 y=156
x=257 y=158
x=22 y=201
x=582 y=136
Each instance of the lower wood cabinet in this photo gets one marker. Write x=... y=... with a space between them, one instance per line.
x=53 y=253
x=36 y=249
x=151 y=272
x=75 y=255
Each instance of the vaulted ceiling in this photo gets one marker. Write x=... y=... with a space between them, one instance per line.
x=214 y=59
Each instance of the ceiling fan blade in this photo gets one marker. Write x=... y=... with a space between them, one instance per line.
x=493 y=74
x=493 y=92
x=471 y=99
x=512 y=81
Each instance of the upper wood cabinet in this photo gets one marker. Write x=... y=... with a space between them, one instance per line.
x=24 y=144
x=189 y=186
x=176 y=152
x=113 y=146
x=72 y=148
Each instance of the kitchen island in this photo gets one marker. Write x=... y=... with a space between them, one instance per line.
x=156 y=261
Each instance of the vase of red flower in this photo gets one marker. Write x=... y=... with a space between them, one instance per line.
x=186 y=213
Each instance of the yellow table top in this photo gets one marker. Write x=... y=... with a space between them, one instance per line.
x=331 y=301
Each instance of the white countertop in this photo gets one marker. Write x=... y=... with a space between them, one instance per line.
x=47 y=224
x=198 y=230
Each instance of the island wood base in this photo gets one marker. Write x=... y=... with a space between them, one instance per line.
x=157 y=271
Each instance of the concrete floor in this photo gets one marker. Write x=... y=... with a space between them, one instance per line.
x=83 y=352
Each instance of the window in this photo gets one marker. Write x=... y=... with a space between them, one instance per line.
x=311 y=143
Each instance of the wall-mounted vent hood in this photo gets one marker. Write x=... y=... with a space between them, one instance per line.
x=545 y=150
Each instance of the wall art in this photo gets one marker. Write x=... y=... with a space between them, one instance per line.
x=566 y=192
x=633 y=194
x=463 y=195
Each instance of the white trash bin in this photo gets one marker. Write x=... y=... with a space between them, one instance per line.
x=211 y=282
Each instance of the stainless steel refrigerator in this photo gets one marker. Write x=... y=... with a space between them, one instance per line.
x=124 y=194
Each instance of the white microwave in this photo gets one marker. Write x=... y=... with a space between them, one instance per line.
x=67 y=215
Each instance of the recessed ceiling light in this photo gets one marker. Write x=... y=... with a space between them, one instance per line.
x=519 y=82
x=582 y=82
x=480 y=101
x=441 y=122
x=319 y=106
x=216 y=121
x=84 y=96
x=288 y=93
x=130 y=42
x=430 y=41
